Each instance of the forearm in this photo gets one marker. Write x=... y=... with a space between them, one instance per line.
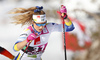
x=65 y=16
x=68 y=25
x=66 y=20
x=20 y=45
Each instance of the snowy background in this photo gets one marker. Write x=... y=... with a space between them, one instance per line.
x=54 y=51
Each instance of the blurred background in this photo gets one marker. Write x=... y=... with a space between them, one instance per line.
x=83 y=43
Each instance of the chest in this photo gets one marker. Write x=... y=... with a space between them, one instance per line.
x=40 y=40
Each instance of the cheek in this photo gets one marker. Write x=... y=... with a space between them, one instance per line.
x=35 y=26
x=43 y=27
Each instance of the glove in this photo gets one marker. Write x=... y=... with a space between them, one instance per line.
x=32 y=36
x=63 y=9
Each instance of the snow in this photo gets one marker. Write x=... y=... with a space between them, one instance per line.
x=54 y=51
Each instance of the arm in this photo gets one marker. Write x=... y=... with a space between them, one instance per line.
x=68 y=24
x=20 y=45
x=54 y=27
x=24 y=38
x=21 y=41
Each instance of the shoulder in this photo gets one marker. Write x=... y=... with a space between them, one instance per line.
x=26 y=30
x=49 y=24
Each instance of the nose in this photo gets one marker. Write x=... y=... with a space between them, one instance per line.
x=41 y=26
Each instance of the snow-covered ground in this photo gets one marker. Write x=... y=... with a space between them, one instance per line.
x=54 y=51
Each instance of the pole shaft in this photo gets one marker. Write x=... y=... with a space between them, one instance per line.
x=64 y=39
x=25 y=50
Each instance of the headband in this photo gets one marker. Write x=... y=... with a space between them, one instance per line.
x=39 y=18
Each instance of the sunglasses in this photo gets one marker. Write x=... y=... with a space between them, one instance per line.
x=40 y=24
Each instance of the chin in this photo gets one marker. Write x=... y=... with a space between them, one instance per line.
x=39 y=30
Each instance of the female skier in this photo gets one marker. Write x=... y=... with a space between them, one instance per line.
x=37 y=34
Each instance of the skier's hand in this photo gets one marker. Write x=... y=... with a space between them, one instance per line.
x=32 y=36
x=63 y=9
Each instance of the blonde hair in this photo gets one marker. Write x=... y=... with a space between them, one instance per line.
x=25 y=15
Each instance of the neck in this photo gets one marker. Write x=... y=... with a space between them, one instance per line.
x=36 y=30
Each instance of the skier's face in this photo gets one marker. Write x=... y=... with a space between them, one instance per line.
x=39 y=26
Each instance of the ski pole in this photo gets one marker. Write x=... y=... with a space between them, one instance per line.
x=62 y=17
x=25 y=49
x=64 y=38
